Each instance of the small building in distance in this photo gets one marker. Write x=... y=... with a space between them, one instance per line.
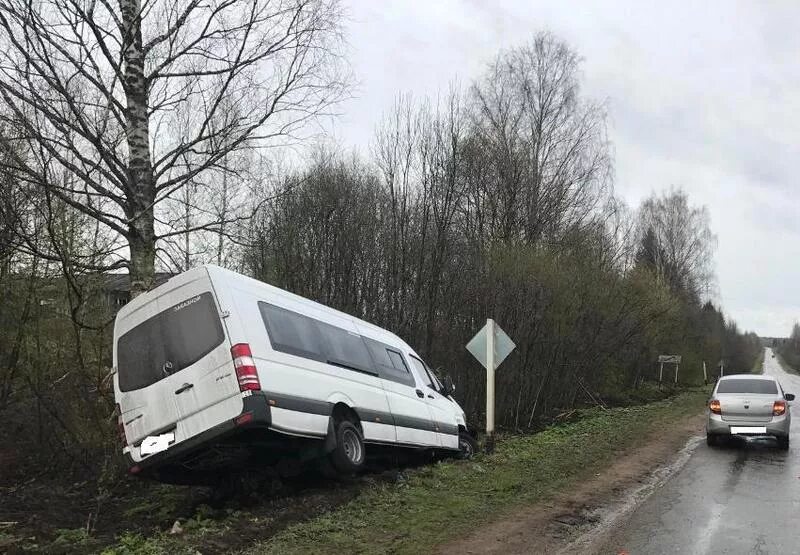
x=117 y=288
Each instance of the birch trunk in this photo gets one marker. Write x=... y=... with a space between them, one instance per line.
x=142 y=194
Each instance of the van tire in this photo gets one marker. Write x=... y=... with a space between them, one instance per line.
x=783 y=443
x=467 y=446
x=348 y=455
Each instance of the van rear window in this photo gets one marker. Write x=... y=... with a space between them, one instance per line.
x=168 y=342
x=747 y=386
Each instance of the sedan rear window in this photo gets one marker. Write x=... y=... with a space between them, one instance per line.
x=168 y=342
x=748 y=386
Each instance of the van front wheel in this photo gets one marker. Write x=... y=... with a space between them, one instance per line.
x=348 y=455
x=467 y=446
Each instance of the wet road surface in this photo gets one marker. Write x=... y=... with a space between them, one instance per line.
x=742 y=498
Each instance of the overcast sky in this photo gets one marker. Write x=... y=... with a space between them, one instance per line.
x=701 y=95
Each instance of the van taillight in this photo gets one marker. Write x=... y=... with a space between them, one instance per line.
x=121 y=427
x=246 y=371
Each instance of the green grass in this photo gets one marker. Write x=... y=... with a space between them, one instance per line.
x=785 y=365
x=758 y=367
x=441 y=502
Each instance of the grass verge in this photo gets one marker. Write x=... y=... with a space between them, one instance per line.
x=785 y=365
x=443 y=501
x=758 y=367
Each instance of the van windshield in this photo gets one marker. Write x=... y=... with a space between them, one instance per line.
x=747 y=386
x=168 y=342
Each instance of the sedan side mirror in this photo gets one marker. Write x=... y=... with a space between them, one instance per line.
x=788 y=396
x=449 y=386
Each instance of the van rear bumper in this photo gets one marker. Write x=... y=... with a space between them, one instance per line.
x=255 y=414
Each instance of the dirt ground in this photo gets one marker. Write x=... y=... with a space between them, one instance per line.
x=560 y=523
x=43 y=515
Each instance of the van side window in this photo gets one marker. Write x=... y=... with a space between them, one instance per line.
x=389 y=363
x=397 y=361
x=345 y=348
x=426 y=374
x=292 y=333
x=419 y=367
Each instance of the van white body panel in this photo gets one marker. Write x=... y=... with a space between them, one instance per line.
x=214 y=396
x=394 y=404
x=301 y=423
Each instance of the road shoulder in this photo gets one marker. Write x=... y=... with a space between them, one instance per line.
x=514 y=498
x=577 y=520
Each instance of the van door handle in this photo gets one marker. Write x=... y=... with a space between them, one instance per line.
x=431 y=396
x=184 y=387
x=420 y=394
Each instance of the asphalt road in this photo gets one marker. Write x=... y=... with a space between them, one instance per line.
x=740 y=498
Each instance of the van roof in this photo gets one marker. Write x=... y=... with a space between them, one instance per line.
x=217 y=272
x=229 y=274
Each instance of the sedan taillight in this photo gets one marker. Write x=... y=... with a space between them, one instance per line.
x=715 y=407
x=778 y=408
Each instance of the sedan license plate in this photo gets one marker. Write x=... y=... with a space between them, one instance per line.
x=155 y=444
x=748 y=429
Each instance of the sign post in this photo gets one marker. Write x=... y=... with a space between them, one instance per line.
x=490 y=368
x=705 y=375
x=490 y=346
x=669 y=359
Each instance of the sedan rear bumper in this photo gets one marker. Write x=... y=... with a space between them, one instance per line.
x=778 y=426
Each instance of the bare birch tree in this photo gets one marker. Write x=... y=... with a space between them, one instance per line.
x=127 y=98
x=546 y=144
x=677 y=242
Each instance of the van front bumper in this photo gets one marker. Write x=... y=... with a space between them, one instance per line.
x=255 y=414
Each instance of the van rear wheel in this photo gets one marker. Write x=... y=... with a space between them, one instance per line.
x=348 y=455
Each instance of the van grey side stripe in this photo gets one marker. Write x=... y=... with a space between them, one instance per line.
x=294 y=433
x=406 y=421
x=299 y=404
x=405 y=445
x=423 y=424
x=380 y=417
x=312 y=406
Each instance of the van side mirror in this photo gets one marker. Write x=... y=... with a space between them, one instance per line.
x=788 y=396
x=449 y=386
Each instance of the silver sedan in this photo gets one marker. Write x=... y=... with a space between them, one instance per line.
x=749 y=405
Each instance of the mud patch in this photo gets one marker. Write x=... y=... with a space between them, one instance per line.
x=70 y=518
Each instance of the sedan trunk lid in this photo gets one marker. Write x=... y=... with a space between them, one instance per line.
x=746 y=407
